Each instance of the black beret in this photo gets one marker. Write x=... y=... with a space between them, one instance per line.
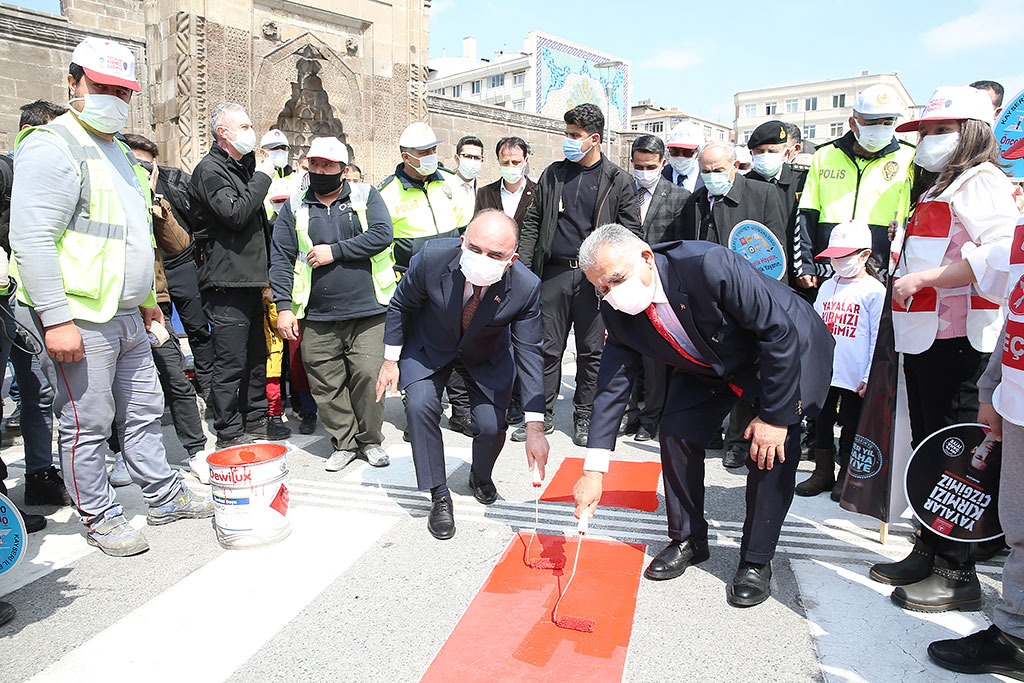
x=768 y=133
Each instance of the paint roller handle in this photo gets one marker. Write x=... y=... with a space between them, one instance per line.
x=537 y=481
x=583 y=524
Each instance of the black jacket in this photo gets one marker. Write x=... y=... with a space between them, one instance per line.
x=616 y=203
x=489 y=197
x=231 y=227
x=664 y=219
x=749 y=331
x=790 y=184
x=173 y=184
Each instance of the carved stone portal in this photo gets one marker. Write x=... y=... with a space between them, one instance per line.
x=308 y=113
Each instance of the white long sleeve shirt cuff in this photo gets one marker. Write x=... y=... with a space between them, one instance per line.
x=597 y=459
x=533 y=417
x=392 y=352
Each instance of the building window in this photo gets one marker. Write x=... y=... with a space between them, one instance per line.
x=810 y=132
x=836 y=129
x=477 y=86
x=519 y=78
x=791 y=106
x=749 y=111
x=654 y=126
x=439 y=91
x=746 y=136
x=811 y=104
x=519 y=105
x=634 y=127
x=457 y=91
x=707 y=132
x=839 y=101
x=498 y=80
x=771 y=108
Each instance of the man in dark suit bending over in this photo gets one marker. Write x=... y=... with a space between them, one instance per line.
x=466 y=305
x=727 y=330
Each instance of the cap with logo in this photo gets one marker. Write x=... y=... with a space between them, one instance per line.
x=106 y=62
x=273 y=139
x=768 y=133
x=281 y=189
x=331 y=149
x=878 y=101
x=743 y=155
x=953 y=103
x=846 y=239
x=418 y=136
x=685 y=135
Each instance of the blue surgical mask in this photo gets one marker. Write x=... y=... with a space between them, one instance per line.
x=573 y=149
x=718 y=184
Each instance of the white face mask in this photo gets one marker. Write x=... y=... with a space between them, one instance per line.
x=427 y=164
x=469 y=168
x=768 y=164
x=103 y=113
x=279 y=157
x=512 y=174
x=849 y=266
x=244 y=142
x=632 y=296
x=647 y=178
x=874 y=138
x=683 y=165
x=934 y=151
x=481 y=270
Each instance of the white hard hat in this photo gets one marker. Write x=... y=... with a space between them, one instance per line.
x=331 y=149
x=878 y=101
x=685 y=135
x=274 y=138
x=846 y=239
x=106 y=62
x=954 y=103
x=418 y=136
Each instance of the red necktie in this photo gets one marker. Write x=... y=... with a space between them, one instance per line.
x=470 y=308
x=652 y=313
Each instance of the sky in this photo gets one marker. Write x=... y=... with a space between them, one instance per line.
x=697 y=55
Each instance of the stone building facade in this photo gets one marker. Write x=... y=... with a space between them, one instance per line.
x=351 y=68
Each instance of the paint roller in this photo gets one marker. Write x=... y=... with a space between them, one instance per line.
x=539 y=562
x=569 y=622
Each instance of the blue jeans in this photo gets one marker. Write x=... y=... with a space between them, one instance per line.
x=36 y=399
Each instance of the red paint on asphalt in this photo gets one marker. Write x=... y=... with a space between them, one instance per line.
x=507 y=634
x=627 y=484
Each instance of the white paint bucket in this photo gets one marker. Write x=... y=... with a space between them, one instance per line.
x=250 y=494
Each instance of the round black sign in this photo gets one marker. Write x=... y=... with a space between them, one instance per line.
x=952 y=483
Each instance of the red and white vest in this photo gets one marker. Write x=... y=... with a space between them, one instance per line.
x=1009 y=395
x=927 y=239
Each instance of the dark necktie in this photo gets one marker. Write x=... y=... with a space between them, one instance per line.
x=681 y=180
x=645 y=199
x=470 y=308
x=652 y=313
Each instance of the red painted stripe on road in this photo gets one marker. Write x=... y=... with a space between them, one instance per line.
x=627 y=484
x=507 y=634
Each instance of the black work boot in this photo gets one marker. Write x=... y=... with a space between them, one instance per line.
x=581 y=428
x=915 y=567
x=46 y=487
x=823 y=478
x=837 y=490
x=947 y=588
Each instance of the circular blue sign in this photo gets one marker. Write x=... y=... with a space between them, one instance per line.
x=12 y=535
x=1009 y=132
x=761 y=248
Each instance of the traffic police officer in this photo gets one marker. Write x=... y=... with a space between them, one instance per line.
x=862 y=176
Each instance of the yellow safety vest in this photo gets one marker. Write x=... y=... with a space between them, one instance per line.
x=382 y=265
x=91 y=250
x=419 y=214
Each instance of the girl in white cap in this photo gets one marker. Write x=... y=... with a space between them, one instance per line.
x=946 y=311
x=851 y=304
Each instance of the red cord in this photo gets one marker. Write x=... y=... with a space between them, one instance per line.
x=74 y=446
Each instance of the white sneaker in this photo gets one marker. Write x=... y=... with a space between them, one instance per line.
x=200 y=468
x=339 y=460
x=118 y=474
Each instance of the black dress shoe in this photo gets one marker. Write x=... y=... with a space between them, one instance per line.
x=735 y=457
x=646 y=434
x=751 y=585
x=984 y=652
x=628 y=427
x=441 y=522
x=33 y=523
x=462 y=425
x=7 y=612
x=485 y=493
x=46 y=488
x=675 y=558
x=946 y=589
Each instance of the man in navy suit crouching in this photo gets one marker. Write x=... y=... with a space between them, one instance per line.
x=727 y=330
x=466 y=305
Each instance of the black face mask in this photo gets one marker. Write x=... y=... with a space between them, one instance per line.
x=147 y=165
x=325 y=183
